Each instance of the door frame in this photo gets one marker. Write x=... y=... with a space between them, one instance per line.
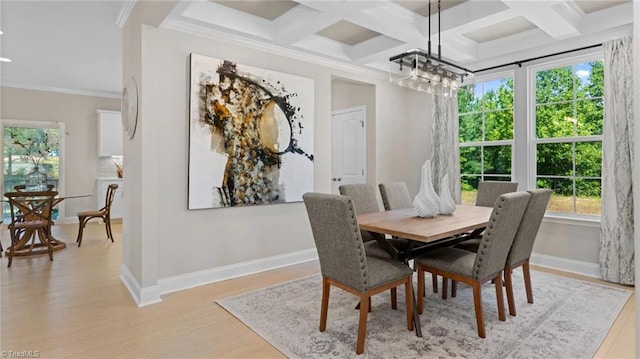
x=362 y=108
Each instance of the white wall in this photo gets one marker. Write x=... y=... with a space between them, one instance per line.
x=78 y=113
x=191 y=241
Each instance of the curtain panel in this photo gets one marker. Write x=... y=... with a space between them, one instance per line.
x=445 y=141
x=617 y=261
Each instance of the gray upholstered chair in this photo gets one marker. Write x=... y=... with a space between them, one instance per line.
x=522 y=246
x=523 y=243
x=477 y=268
x=343 y=262
x=489 y=191
x=364 y=199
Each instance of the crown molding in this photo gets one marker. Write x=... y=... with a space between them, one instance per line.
x=60 y=90
x=125 y=11
x=261 y=45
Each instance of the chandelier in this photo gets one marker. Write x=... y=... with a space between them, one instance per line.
x=422 y=71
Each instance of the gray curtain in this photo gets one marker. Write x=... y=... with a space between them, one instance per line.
x=616 y=238
x=446 y=153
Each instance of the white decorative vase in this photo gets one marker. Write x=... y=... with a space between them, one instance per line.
x=426 y=202
x=447 y=204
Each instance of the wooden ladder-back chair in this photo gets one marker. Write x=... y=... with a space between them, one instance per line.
x=30 y=217
x=104 y=213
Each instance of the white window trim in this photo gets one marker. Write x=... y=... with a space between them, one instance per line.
x=61 y=155
x=531 y=70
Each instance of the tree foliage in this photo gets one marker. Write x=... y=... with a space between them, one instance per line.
x=569 y=104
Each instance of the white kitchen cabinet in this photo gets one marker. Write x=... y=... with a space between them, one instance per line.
x=109 y=133
x=117 y=207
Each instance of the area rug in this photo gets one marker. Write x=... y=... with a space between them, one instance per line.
x=569 y=319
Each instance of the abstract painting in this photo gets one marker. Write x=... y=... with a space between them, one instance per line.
x=250 y=135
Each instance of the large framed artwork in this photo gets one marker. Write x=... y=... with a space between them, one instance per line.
x=250 y=135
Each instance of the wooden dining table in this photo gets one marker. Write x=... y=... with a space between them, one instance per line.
x=442 y=229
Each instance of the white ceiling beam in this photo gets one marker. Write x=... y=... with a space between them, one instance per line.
x=545 y=16
x=324 y=46
x=226 y=17
x=300 y=22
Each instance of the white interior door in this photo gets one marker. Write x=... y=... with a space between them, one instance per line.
x=348 y=150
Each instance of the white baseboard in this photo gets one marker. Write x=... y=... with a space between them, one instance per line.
x=568 y=265
x=142 y=296
x=67 y=220
x=195 y=279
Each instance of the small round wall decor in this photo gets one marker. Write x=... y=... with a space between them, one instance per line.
x=130 y=108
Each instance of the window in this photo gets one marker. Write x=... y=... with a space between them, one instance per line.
x=22 y=153
x=486 y=133
x=567 y=135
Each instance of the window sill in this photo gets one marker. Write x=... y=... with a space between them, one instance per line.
x=574 y=220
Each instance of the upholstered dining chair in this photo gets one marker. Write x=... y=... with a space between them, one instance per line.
x=104 y=213
x=395 y=195
x=344 y=263
x=364 y=200
x=522 y=246
x=477 y=268
x=30 y=217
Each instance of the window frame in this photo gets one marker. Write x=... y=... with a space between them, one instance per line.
x=533 y=141
x=483 y=79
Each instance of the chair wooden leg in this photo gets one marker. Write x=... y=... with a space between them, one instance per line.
x=477 y=302
x=454 y=288
x=325 y=304
x=420 y=289
x=434 y=279
x=527 y=281
x=107 y=227
x=445 y=287
x=80 y=230
x=362 y=323
x=500 y=297
x=13 y=244
x=394 y=298
x=408 y=289
x=369 y=300
x=508 y=283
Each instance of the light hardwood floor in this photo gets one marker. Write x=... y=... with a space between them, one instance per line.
x=76 y=306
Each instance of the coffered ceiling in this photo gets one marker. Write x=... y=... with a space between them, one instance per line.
x=77 y=44
x=473 y=32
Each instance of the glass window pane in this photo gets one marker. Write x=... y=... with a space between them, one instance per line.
x=589 y=159
x=554 y=85
x=470 y=127
x=554 y=159
x=499 y=125
x=497 y=159
x=562 y=197
x=498 y=94
x=469 y=189
x=588 y=200
x=554 y=120
x=470 y=160
x=589 y=79
x=590 y=116
x=467 y=99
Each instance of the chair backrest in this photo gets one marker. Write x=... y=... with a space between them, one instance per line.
x=489 y=191
x=31 y=206
x=529 y=226
x=499 y=233
x=395 y=195
x=22 y=187
x=337 y=237
x=363 y=196
x=111 y=191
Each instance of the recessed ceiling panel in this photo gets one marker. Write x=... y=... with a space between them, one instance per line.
x=266 y=9
x=422 y=6
x=589 y=6
x=499 y=30
x=348 y=33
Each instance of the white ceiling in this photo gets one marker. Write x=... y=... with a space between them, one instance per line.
x=76 y=45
